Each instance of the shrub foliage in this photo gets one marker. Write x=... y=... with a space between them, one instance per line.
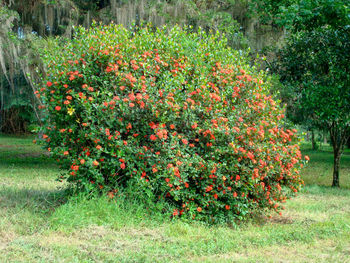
x=177 y=115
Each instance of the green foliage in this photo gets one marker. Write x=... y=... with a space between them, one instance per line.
x=316 y=64
x=306 y=15
x=176 y=116
x=299 y=15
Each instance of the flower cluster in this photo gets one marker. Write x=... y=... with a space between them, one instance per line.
x=176 y=112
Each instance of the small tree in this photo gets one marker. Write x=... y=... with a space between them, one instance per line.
x=314 y=64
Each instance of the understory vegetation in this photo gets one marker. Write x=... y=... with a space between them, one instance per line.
x=38 y=223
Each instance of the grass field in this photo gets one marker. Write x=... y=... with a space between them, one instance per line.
x=38 y=224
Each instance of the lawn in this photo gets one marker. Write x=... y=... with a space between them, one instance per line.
x=39 y=224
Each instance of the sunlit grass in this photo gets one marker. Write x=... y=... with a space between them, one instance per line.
x=38 y=223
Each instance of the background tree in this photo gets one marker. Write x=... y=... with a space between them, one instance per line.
x=314 y=67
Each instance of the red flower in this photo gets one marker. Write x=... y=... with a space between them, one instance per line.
x=58 y=108
x=132 y=96
x=49 y=83
x=153 y=137
x=122 y=165
x=199 y=209
x=227 y=207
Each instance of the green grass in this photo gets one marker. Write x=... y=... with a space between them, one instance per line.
x=39 y=224
x=320 y=169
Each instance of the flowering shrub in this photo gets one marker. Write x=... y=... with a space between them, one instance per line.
x=178 y=115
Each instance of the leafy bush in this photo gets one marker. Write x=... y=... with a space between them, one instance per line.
x=175 y=115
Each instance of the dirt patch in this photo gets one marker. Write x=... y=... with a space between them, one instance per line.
x=143 y=232
x=5 y=239
x=94 y=231
x=103 y=238
x=276 y=219
x=59 y=239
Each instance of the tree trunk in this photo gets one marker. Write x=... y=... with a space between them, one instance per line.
x=336 y=165
x=313 y=141
x=339 y=136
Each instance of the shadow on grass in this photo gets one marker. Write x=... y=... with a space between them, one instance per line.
x=25 y=163
x=32 y=200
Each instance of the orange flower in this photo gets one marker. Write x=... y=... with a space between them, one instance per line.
x=139 y=96
x=110 y=195
x=132 y=96
x=95 y=163
x=199 y=209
